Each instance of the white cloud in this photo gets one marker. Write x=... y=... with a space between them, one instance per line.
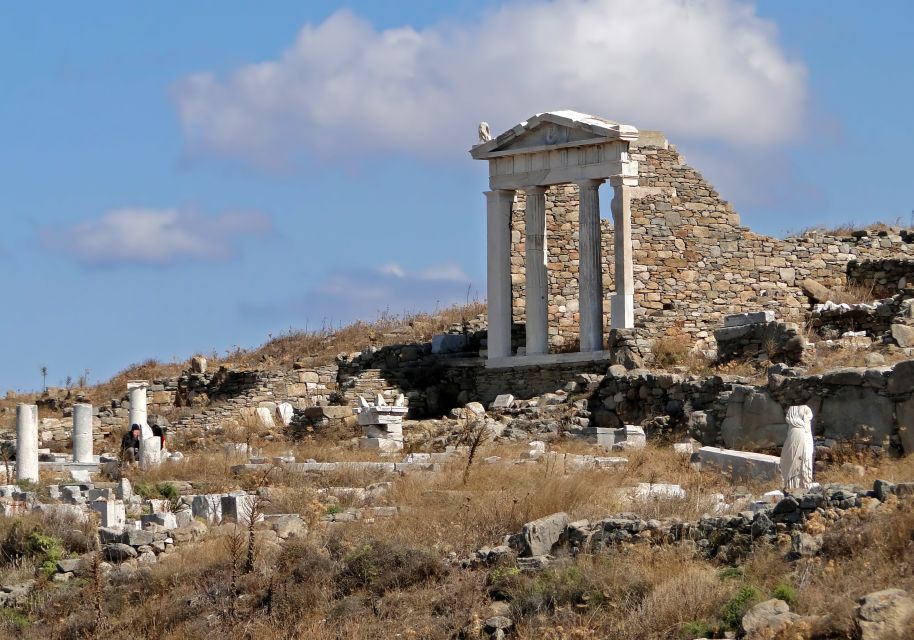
x=348 y=294
x=135 y=235
x=698 y=69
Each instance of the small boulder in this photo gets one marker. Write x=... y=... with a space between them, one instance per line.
x=885 y=614
x=768 y=619
x=541 y=535
x=118 y=552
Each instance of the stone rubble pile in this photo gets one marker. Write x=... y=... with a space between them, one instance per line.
x=729 y=538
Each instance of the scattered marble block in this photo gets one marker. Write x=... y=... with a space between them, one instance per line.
x=684 y=448
x=753 y=317
x=123 y=490
x=166 y=520
x=658 y=490
x=284 y=413
x=239 y=508
x=112 y=513
x=503 y=401
x=81 y=475
x=739 y=465
x=265 y=415
x=385 y=445
x=208 y=507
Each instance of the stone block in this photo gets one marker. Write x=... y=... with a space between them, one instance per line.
x=166 y=520
x=208 y=507
x=449 y=343
x=387 y=445
x=81 y=475
x=503 y=401
x=753 y=317
x=740 y=465
x=858 y=414
x=118 y=552
x=541 y=535
x=239 y=508
x=754 y=420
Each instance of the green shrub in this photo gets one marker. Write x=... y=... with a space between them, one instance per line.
x=549 y=590
x=732 y=612
x=12 y=618
x=145 y=490
x=786 y=593
x=692 y=630
x=730 y=572
x=167 y=491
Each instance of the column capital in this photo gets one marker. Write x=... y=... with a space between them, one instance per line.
x=589 y=182
x=537 y=191
x=623 y=181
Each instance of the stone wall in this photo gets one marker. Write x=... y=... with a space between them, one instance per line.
x=693 y=260
x=868 y=407
x=883 y=277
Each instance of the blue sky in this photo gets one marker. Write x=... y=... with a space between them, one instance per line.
x=183 y=177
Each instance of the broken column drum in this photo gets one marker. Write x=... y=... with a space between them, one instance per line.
x=553 y=148
x=82 y=433
x=27 y=443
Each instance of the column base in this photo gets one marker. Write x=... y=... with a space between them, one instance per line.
x=622 y=311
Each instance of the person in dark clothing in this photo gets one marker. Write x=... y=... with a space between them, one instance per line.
x=130 y=444
x=159 y=432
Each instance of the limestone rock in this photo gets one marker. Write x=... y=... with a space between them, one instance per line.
x=885 y=614
x=816 y=290
x=903 y=335
x=118 y=552
x=768 y=619
x=543 y=534
x=198 y=364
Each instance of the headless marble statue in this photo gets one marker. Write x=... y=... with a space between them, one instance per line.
x=797 y=454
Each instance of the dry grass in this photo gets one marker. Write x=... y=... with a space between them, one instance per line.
x=829 y=358
x=853 y=293
x=385 y=578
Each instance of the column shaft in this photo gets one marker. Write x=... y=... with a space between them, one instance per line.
x=590 y=267
x=498 y=272
x=27 y=442
x=537 y=287
x=82 y=432
x=623 y=302
x=138 y=415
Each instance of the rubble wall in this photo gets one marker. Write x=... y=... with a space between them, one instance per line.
x=694 y=262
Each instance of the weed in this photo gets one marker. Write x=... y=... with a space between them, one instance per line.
x=732 y=612
x=786 y=593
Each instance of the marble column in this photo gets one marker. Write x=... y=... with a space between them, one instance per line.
x=537 y=280
x=498 y=271
x=590 y=266
x=150 y=452
x=623 y=301
x=137 y=391
x=82 y=433
x=26 y=442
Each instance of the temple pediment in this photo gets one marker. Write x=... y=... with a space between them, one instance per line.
x=554 y=130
